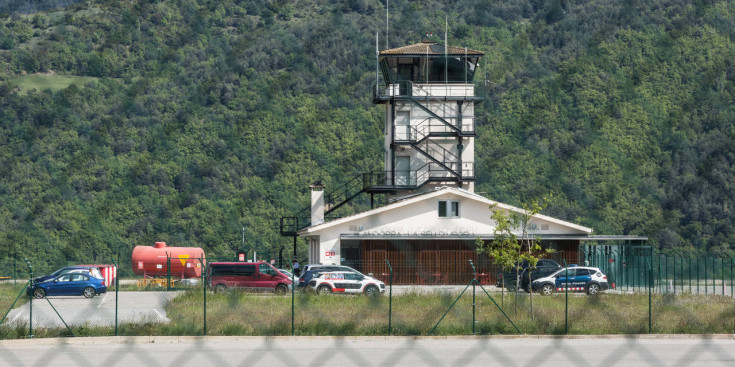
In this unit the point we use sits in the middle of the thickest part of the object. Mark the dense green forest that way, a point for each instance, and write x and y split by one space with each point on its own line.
195 118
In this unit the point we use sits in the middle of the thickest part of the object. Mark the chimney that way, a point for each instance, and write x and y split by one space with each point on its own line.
317 203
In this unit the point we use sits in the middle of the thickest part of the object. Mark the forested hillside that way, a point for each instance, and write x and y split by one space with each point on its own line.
127 122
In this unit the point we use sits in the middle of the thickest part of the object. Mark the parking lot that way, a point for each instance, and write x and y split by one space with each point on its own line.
98 311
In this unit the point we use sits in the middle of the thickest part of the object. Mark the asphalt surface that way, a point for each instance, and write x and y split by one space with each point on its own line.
97 311
628 351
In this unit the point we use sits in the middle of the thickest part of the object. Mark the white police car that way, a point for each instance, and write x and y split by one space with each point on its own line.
346 282
577 278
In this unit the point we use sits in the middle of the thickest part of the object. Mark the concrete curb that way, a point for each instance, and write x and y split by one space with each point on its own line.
113 340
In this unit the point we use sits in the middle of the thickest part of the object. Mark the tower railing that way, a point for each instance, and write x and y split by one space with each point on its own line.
408 179
408 88
405 88
423 90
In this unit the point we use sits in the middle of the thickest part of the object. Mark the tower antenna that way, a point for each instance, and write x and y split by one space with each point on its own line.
387 2
446 49
377 65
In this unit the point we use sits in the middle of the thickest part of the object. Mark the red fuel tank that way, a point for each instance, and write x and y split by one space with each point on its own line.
153 260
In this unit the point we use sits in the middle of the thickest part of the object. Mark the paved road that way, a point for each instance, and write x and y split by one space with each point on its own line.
660 350
100 310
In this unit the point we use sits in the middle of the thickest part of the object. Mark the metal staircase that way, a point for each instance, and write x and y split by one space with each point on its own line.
363 183
442 165
369 183
440 156
449 125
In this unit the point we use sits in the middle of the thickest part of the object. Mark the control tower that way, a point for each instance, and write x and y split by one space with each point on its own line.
429 98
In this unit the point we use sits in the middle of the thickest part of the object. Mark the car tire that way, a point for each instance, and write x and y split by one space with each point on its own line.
512 286
89 292
39 293
547 289
593 289
281 289
220 288
372 291
324 289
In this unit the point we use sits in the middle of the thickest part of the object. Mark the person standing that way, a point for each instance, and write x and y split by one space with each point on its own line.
296 269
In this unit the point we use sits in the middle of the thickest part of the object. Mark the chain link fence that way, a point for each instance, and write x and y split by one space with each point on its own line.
652 294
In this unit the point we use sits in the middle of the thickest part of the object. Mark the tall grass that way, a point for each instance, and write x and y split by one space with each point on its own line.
8 293
241 313
238 313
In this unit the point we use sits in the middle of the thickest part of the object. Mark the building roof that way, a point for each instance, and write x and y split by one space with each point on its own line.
428 195
433 49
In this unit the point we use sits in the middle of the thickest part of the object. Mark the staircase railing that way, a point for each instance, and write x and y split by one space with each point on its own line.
343 194
412 179
439 155
462 124
420 91
422 130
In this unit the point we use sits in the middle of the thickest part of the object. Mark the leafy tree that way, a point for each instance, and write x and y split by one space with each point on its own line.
513 245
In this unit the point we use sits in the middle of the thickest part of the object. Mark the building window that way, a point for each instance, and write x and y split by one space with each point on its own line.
448 209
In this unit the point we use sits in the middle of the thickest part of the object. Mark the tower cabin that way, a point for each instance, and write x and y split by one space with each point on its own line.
429 95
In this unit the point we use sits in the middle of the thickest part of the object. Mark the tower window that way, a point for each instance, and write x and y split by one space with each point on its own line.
448 209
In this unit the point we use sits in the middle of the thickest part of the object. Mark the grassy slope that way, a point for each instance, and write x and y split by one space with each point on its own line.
48 82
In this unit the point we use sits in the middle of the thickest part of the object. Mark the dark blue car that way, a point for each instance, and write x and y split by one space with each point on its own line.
70 284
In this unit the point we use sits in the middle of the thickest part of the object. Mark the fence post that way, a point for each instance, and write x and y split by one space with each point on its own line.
681 267
650 280
627 271
697 274
666 271
658 274
566 299
168 273
30 303
474 280
714 277
690 273
293 289
390 298
204 292
117 287
722 271
732 262
705 276
674 283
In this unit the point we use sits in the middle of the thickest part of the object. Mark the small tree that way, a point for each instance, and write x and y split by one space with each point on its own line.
504 250
507 250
